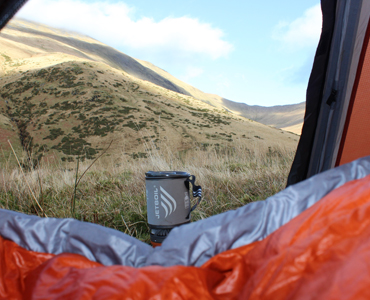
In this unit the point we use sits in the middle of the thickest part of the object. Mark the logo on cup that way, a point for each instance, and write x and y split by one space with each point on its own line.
163 198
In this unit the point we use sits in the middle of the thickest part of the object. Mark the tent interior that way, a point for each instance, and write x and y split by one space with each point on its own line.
308 241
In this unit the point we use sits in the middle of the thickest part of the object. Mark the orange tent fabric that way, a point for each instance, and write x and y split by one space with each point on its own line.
356 139
322 253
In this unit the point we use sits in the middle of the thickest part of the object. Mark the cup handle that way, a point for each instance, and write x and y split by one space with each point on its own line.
197 191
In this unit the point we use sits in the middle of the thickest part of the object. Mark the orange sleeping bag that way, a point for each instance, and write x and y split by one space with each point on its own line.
323 253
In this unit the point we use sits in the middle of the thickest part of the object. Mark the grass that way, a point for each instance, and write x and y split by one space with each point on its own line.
112 192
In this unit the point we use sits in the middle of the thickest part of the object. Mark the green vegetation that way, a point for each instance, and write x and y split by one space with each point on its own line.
135 125
54 133
75 146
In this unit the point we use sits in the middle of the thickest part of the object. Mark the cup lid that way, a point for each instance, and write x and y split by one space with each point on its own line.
166 174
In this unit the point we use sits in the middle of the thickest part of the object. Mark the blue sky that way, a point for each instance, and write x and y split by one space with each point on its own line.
256 52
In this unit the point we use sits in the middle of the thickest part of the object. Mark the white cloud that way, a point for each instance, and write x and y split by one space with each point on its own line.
114 23
302 32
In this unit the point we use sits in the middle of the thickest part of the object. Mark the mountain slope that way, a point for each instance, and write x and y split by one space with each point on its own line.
64 96
48 40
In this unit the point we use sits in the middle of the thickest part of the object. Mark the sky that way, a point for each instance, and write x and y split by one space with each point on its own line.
254 52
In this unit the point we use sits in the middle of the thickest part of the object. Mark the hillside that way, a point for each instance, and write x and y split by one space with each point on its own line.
65 95
42 39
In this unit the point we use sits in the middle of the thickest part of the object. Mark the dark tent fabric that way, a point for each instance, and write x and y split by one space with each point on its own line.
314 94
323 253
335 129
8 8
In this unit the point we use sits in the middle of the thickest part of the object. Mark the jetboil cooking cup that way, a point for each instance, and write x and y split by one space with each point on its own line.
168 201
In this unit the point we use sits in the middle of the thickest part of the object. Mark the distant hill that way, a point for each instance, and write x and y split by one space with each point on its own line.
65 95
287 117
